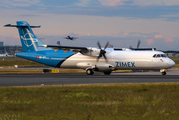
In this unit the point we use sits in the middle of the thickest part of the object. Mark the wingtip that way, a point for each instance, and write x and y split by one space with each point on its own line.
7 25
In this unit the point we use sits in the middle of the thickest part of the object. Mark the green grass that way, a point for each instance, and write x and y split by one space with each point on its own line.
176 59
10 62
154 101
20 71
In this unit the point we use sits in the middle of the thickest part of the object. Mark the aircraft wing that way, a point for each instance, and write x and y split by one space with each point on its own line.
67 48
74 37
143 49
89 51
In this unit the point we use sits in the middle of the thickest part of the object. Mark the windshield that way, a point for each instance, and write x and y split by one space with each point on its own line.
159 55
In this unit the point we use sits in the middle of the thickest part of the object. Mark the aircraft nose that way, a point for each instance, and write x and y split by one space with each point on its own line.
171 63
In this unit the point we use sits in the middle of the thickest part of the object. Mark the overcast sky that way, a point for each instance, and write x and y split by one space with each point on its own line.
121 22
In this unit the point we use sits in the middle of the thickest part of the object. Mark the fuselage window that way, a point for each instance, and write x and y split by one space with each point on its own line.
154 55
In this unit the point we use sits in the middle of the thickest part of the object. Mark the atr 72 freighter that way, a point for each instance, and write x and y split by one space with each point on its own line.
89 58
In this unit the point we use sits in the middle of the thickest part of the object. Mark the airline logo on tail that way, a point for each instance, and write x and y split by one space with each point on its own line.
29 39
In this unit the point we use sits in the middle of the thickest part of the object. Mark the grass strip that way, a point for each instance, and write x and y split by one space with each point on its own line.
150 101
20 71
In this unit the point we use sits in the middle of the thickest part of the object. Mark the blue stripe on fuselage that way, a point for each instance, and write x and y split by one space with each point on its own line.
48 57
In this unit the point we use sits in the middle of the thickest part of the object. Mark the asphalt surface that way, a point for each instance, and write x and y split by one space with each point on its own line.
82 78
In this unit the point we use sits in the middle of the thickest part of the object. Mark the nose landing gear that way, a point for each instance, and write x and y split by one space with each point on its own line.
163 71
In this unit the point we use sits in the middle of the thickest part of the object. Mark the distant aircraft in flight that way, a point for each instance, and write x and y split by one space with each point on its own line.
70 38
89 58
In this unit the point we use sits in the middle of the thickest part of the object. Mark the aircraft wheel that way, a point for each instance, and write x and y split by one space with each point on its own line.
107 73
164 73
89 72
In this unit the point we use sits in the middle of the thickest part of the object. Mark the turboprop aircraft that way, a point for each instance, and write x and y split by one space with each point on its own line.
89 58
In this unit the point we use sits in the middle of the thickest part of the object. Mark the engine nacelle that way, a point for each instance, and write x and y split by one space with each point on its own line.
92 52
104 67
84 65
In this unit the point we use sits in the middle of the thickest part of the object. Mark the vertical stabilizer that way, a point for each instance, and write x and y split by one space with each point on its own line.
28 39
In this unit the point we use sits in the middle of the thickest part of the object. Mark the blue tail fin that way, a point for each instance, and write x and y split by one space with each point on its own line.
28 39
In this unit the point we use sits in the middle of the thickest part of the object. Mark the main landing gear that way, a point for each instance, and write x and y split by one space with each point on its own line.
89 72
163 71
107 73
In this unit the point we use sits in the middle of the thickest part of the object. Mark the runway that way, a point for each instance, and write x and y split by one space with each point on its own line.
82 78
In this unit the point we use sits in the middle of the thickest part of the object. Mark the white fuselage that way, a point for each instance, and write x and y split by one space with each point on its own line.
121 60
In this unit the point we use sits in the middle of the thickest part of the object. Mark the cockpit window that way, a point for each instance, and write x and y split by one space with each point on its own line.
163 55
159 55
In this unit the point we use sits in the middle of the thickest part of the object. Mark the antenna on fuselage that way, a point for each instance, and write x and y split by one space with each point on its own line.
58 43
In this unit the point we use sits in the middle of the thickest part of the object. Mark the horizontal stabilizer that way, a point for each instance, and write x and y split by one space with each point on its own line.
9 25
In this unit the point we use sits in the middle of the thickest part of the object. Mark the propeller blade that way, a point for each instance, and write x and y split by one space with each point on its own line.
105 57
107 44
99 45
102 51
138 44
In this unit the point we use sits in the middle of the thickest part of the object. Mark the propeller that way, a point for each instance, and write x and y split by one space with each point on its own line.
138 44
102 51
